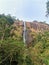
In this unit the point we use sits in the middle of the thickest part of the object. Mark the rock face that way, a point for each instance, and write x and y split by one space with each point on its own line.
30 28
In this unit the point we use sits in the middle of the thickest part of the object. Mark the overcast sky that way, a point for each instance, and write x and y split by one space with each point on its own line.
25 9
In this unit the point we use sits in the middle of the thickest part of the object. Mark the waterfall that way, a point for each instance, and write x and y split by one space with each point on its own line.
24 32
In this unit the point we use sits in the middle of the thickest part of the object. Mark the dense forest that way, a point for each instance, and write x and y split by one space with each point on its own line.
13 51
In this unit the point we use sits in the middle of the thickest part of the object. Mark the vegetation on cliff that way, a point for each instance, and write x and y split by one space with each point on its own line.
12 49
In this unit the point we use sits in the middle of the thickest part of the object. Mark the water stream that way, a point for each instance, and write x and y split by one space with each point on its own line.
24 33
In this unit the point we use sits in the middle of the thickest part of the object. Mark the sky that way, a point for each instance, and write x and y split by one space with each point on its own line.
27 10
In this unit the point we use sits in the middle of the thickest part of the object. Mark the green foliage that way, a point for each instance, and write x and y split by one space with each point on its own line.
13 51
5 26
28 60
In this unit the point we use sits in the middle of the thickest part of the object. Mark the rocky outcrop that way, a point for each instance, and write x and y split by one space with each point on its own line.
31 27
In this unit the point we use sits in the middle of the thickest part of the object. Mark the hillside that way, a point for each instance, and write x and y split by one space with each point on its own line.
34 25
13 51
31 27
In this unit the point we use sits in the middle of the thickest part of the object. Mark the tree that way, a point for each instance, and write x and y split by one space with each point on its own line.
47 8
5 25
